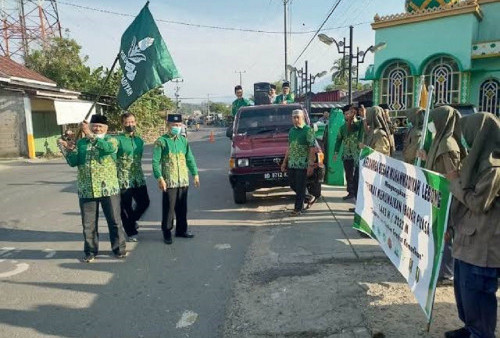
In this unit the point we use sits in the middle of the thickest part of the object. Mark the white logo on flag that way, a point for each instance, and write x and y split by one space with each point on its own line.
133 57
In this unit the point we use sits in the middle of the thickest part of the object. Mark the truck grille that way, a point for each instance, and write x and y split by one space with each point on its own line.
275 161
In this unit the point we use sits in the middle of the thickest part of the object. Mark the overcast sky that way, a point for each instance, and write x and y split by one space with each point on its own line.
208 58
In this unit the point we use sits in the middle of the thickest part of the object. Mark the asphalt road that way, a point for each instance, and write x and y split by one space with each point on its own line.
180 290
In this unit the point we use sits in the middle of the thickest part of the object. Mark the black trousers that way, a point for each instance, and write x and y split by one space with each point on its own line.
174 206
352 176
475 288
130 214
89 208
298 182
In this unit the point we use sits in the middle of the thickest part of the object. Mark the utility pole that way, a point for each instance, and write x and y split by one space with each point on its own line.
351 33
285 9
176 93
208 104
240 72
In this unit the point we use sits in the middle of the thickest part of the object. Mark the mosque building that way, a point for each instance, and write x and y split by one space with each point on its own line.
453 45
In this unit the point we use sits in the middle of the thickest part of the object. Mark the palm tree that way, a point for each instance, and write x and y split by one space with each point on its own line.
340 75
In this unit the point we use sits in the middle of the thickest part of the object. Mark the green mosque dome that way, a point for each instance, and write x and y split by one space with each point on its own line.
415 5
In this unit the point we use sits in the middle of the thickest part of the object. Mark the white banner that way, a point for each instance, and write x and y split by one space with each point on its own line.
405 208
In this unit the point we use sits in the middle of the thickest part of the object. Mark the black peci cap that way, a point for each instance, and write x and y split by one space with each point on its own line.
238 87
273 86
101 119
174 118
286 84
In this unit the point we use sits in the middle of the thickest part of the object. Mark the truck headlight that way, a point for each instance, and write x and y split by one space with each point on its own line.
243 162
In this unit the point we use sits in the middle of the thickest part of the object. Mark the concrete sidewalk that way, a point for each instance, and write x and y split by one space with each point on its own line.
315 276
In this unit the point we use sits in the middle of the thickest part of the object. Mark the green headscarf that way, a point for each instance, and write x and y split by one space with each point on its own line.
447 138
481 131
375 120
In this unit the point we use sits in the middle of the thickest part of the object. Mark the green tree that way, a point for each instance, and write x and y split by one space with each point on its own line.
220 108
61 62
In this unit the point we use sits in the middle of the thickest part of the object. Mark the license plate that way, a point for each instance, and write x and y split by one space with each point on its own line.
275 176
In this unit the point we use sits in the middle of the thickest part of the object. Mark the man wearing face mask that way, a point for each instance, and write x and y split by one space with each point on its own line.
95 156
130 176
172 162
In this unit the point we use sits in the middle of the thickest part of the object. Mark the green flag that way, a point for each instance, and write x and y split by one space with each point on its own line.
144 59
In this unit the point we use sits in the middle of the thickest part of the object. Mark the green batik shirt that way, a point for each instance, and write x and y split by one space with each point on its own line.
350 140
96 164
289 98
128 161
238 103
172 159
300 141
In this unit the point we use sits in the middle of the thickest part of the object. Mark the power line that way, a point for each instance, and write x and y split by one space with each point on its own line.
318 30
237 29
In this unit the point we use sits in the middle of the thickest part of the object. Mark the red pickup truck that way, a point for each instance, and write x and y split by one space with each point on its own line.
259 143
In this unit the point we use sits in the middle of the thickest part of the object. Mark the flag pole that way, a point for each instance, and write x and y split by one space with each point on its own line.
420 89
101 90
426 120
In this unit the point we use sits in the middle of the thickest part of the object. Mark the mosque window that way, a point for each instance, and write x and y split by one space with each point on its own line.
489 96
397 86
444 75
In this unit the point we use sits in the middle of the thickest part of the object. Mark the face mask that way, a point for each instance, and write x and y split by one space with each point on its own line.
129 129
432 127
100 135
176 130
464 143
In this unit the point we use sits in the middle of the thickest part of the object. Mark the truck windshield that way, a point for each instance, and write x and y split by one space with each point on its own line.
259 121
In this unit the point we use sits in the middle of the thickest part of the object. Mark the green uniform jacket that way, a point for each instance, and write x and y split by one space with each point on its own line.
238 103
96 164
172 158
128 161
300 140
290 98
350 140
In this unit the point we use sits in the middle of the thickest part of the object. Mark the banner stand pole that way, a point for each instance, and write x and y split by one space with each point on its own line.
426 120
101 90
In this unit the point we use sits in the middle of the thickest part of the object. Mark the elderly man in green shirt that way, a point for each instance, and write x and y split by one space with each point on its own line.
240 101
172 162
130 176
95 156
299 158
286 97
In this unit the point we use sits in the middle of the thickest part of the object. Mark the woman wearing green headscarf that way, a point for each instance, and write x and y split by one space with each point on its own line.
377 132
444 156
412 140
475 220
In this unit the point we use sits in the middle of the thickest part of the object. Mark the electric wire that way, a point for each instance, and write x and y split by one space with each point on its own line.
318 30
238 29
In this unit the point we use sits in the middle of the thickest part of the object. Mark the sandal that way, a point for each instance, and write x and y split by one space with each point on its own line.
311 201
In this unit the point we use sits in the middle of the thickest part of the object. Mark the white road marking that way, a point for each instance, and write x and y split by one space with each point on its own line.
188 318
224 246
21 267
50 253
5 250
